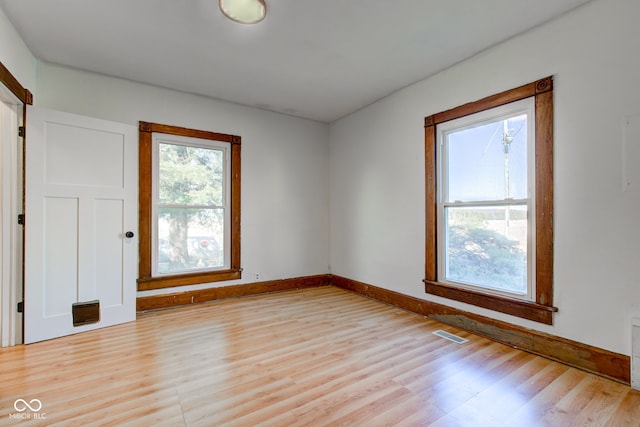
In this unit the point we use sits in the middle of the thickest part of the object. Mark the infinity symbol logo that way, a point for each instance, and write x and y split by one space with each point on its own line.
21 405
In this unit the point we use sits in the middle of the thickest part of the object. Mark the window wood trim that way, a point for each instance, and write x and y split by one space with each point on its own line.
542 309
145 165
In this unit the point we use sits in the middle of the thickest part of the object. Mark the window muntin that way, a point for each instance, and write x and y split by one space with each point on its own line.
190 205
485 199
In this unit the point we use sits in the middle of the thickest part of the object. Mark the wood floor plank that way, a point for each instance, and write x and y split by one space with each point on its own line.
311 357
627 413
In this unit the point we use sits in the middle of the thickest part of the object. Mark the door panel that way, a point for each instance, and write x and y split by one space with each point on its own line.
81 198
71 146
60 261
108 252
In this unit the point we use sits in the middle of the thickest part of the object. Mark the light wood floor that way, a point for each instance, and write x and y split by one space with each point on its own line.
314 357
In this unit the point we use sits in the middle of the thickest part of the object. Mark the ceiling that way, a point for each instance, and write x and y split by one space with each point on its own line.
319 60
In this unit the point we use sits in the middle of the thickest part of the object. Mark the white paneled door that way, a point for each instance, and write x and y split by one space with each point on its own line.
81 208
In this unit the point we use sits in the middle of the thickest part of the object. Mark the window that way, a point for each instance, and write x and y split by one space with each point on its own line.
484 200
189 206
489 194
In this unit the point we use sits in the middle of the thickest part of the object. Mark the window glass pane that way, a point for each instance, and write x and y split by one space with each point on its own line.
488 161
190 175
190 239
487 247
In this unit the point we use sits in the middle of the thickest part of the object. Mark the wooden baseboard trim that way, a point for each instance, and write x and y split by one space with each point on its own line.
194 297
592 359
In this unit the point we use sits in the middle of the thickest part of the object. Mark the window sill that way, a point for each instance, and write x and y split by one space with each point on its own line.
148 283
515 307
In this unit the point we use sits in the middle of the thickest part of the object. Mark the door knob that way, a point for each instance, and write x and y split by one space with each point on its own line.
129 234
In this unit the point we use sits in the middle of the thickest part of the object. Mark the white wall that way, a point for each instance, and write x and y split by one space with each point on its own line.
15 55
377 171
285 226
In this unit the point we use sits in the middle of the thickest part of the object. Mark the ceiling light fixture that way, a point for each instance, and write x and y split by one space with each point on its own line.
244 11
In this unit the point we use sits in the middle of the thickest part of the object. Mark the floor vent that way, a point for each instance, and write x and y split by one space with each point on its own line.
446 335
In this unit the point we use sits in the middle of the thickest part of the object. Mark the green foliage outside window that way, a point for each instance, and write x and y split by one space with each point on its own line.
191 208
480 255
